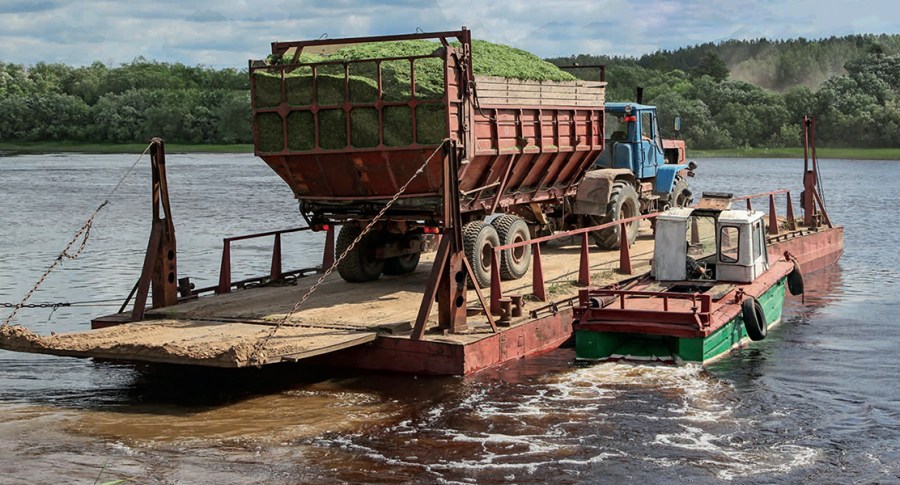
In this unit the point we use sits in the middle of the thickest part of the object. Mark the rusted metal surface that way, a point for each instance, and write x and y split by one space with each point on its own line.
669 313
275 272
513 153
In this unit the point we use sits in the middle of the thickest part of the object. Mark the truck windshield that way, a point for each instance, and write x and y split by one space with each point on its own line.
616 127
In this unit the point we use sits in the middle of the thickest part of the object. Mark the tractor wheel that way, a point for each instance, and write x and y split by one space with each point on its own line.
623 203
514 263
479 239
360 264
681 195
402 264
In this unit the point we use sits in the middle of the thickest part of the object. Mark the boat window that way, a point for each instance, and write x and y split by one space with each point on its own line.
757 240
729 244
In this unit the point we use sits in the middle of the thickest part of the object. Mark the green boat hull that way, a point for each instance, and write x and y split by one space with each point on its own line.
591 345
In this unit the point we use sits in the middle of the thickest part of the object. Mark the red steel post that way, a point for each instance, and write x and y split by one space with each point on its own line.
537 274
791 222
749 205
773 217
584 269
624 251
495 284
328 254
225 269
275 272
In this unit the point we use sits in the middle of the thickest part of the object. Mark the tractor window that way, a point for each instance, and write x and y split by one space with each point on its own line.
729 244
646 126
616 127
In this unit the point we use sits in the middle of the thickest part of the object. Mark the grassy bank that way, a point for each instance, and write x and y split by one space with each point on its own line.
843 153
58 147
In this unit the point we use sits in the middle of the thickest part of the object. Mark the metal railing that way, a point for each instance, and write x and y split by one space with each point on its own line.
773 215
276 271
698 314
584 274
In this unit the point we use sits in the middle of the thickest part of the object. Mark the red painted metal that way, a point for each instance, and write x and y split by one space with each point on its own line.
328 254
773 218
537 274
668 313
543 150
791 221
159 270
496 293
584 267
624 251
276 271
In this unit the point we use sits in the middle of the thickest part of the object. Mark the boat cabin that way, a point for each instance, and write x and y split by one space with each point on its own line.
710 244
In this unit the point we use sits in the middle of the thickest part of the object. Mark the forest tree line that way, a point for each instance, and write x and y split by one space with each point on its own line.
731 94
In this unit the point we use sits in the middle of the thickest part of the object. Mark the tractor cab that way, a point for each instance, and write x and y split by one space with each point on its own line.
710 244
634 142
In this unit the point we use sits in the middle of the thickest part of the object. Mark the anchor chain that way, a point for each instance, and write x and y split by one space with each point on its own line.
83 233
265 340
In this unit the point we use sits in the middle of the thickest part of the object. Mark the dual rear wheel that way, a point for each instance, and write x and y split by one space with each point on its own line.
480 239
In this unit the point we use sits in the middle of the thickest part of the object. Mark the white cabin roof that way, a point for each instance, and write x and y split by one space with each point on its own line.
740 216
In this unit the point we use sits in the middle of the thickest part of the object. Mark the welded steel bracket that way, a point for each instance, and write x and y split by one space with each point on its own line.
159 270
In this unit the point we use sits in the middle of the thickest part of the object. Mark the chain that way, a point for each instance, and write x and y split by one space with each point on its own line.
265 340
34 305
83 233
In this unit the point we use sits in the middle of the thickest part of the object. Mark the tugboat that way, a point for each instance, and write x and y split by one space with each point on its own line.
712 287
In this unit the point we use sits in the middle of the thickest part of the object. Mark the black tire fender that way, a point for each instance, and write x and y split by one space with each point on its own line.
754 319
795 280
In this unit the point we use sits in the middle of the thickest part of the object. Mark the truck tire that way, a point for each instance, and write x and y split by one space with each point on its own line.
479 239
681 195
514 263
402 264
623 203
360 264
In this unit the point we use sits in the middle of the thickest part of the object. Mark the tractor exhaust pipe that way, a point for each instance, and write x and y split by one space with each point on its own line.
639 95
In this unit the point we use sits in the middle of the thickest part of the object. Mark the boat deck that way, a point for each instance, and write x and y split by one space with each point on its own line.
224 330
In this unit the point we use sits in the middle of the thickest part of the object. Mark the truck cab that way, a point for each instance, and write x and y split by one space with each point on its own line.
634 142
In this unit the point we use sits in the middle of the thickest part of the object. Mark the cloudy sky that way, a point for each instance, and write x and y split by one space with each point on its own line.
228 32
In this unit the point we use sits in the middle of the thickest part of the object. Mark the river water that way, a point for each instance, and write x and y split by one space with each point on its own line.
818 400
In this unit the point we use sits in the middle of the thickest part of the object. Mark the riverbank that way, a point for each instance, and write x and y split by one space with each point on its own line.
839 153
74 147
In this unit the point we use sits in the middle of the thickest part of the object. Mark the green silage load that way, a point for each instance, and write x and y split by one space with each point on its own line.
488 59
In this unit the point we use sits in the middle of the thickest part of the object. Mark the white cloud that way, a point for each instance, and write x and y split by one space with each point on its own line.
228 32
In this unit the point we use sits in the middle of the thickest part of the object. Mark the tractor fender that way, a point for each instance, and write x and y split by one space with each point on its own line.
665 177
592 195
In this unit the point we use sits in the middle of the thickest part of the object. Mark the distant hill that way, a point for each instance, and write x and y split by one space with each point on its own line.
773 64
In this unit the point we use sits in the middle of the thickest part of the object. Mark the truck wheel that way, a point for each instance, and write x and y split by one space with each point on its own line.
514 263
623 203
479 239
360 264
681 196
401 264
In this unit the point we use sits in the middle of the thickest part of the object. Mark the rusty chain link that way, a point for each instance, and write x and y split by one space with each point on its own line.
83 233
265 340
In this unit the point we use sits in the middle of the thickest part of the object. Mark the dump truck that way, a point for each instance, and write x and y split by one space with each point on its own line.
489 146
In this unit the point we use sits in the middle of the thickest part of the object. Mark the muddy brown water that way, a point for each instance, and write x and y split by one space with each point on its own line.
818 400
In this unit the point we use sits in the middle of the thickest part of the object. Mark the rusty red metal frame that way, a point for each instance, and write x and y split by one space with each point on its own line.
773 217
584 267
159 269
276 272
699 316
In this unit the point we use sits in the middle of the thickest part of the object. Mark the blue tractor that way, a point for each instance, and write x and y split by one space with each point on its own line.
638 172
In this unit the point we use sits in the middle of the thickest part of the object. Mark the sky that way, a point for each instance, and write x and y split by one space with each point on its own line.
227 33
